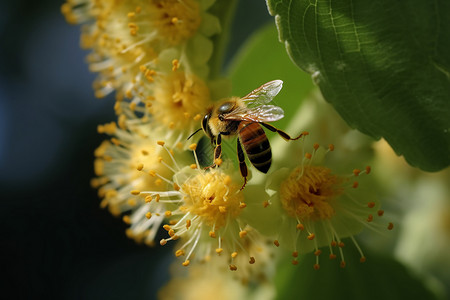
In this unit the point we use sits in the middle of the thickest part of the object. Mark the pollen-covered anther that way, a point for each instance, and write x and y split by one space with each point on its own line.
222 209
219 250
135 192
371 204
161 143
390 226
294 262
341 245
148 199
179 253
342 264
242 234
186 263
176 187
331 147
356 172
188 223
370 218
126 220
252 260
234 254
175 64
140 167
368 169
163 242
233 268
362 259
242 205
300 227
311 236
308 155
197 117
212 234
355 184
168 213
316 266
266 204
193 147
317 252
380 212
316 146
333 256
276 243
148 215
193 166
295 254
167 227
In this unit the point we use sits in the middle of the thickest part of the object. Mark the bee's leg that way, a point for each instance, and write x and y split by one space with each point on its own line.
242 165
217 152
283 134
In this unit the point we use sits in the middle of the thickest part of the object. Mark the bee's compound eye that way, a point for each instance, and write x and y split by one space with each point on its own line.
226 107
205 125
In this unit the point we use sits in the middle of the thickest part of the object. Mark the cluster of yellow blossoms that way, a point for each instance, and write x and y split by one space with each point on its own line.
155 56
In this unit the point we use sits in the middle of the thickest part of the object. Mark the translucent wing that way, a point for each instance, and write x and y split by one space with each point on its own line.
264 94
262 113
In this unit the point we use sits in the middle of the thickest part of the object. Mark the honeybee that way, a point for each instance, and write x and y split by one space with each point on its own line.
243 117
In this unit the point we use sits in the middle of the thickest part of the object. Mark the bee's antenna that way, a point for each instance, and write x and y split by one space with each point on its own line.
194 133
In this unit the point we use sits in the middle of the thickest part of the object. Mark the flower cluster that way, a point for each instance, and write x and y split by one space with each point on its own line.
155 56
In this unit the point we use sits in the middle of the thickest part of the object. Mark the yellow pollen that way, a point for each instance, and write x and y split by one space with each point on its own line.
179 253
131 202
144 152
197 117
167 227
148 199
163 242
356 172
161 143
212 234
218 161
193 166
300 226
188 223
310 196
140 167
157 197
234 254
152 173
186 263
135 192
311 236
242 234
176 187
193 147
148 215
219 250
242 205
168 213
212 198
126 220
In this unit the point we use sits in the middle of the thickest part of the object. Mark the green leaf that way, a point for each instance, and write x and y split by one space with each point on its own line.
384 65
378 278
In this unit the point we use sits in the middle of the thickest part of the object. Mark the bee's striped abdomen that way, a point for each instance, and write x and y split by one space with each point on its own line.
256 145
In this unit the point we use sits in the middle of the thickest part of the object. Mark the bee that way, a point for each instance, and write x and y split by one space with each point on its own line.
245 118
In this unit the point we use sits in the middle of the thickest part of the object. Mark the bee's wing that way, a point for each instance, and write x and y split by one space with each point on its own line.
264 94
262 113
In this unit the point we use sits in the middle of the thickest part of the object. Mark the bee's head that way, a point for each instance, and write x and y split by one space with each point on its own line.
205 124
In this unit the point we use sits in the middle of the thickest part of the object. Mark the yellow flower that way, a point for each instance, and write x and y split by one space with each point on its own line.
212 281
128 37
128 163
203 211
315 206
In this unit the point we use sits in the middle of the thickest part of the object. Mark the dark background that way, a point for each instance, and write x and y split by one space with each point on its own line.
56 243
